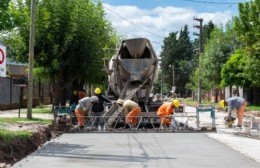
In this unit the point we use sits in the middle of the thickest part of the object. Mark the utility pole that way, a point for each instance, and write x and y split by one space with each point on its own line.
31 60
200 20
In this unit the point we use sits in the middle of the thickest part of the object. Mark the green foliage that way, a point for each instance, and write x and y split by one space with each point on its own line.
177 53
160 85
247 23
248 31
4 16
15 22
7 136
70 36
10 38
253 107
46 110
233 71
19 120
217 51
207 29
198 60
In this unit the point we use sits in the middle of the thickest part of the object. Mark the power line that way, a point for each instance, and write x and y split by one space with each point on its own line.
134 35
213 2
133 23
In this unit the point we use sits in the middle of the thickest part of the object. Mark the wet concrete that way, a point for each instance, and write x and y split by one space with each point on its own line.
136 150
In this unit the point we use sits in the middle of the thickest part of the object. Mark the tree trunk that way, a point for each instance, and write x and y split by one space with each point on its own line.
216 95
56 94
63 97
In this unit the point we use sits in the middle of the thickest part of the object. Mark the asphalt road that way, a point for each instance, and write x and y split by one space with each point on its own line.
137 150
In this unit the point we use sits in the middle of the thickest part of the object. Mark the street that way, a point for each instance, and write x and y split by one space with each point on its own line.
167 150
219 149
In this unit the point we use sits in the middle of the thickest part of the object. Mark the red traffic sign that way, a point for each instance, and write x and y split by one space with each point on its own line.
2 56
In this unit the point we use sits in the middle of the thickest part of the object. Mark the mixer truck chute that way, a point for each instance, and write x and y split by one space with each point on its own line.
132 72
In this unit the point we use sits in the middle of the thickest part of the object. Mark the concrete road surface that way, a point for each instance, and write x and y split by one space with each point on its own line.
137 150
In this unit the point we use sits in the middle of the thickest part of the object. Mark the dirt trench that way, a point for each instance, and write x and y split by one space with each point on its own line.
20 148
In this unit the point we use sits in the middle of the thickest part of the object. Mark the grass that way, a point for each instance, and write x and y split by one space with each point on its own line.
253 108
42 110
8 136
39 110
15 120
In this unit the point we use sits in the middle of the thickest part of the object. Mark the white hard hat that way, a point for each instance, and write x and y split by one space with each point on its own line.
120 101
94 98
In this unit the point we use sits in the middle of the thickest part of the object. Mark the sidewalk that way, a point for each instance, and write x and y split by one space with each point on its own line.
23 114
231 137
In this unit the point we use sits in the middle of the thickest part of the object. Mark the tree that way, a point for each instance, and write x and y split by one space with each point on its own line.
4 16
18 13
70 37
248 31
167 56
207 29
216 52
177 53
193 79
232 72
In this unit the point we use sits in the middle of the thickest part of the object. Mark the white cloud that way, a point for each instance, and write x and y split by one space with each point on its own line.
157 23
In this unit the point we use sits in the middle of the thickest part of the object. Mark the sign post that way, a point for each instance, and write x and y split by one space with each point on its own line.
22 83
2 61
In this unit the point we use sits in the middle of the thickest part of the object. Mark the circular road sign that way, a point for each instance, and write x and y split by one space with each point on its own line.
2 56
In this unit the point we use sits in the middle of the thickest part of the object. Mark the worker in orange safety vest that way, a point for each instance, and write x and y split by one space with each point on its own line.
165 110
84 107
131 110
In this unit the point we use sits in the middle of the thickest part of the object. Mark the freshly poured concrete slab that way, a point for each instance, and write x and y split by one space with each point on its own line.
144 150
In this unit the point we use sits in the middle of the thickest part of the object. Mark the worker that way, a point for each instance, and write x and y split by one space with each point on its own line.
98 109
235 103
83 108
165 110
131 110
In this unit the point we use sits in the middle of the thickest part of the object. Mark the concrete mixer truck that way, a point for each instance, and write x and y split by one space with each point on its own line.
131 75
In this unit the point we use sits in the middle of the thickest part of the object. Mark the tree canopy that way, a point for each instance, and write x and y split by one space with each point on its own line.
232 72
248 32
70 37
217 51
177 53
4 16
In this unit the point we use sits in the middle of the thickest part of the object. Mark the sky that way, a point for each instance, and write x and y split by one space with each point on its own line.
155 19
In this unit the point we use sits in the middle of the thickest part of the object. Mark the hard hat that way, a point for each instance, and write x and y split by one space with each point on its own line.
222 103
120 101
94 98
97 90
176 103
